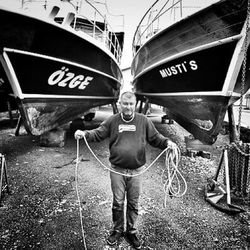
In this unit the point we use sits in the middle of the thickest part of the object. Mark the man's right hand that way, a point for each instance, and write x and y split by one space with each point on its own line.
79 134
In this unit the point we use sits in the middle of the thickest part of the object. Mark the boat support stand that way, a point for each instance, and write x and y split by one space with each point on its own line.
18 126
142 109
115 109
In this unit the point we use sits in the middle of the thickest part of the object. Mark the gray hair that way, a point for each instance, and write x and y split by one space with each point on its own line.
128 94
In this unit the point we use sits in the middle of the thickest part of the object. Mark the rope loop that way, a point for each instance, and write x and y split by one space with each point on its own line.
174 183
171 176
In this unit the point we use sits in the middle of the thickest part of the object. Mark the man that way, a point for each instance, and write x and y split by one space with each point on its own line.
128 134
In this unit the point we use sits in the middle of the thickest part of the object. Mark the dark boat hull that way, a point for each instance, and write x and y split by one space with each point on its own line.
193 73
34 35
7 100
55 74
202 71
53 92
219 21
202 116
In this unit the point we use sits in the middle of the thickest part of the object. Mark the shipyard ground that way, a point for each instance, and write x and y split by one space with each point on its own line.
42 210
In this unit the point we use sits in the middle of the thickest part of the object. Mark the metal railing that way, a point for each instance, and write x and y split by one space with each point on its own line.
160 15
88 19
105 34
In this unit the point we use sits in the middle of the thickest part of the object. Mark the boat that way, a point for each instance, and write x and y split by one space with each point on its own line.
59 59
189 59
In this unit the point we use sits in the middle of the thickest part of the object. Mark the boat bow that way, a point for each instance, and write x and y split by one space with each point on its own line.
193 66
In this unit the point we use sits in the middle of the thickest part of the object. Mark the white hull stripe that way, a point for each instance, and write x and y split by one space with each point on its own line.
58 60
237 59
10 72
29 96
190 51
188 94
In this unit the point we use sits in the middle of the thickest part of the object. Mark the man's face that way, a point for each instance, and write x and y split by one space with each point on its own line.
128 106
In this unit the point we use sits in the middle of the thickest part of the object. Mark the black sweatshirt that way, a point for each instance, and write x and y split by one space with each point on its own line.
128 140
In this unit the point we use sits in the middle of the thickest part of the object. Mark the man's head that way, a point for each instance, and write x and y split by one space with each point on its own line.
128 101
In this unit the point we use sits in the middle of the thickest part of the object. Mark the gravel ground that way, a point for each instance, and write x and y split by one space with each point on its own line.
42 211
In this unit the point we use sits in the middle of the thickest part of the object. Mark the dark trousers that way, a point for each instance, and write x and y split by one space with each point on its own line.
125 188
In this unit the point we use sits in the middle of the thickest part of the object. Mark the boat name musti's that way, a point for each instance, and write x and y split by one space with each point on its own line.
179 68
64 78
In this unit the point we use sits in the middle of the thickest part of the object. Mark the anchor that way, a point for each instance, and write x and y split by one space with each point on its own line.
215 192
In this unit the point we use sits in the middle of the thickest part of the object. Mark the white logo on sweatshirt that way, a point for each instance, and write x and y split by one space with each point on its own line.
125 127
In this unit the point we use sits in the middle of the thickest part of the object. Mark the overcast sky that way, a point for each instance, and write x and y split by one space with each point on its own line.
133 11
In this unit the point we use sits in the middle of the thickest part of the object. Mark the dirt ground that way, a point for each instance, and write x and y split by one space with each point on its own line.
42 211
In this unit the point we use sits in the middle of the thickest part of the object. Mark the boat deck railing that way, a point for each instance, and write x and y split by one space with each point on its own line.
160 15
97 26
88 19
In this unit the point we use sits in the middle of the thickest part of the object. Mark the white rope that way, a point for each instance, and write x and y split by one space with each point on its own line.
112 170
174 183
77 193
172 179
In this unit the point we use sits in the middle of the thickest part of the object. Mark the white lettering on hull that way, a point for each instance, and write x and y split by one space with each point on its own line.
63 78
179 68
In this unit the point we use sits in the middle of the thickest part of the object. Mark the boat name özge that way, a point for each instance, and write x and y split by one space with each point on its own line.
179 68
64 78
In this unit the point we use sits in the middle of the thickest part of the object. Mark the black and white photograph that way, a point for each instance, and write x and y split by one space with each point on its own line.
124 124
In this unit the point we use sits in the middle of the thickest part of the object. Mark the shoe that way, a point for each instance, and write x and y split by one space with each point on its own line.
113 238
133 240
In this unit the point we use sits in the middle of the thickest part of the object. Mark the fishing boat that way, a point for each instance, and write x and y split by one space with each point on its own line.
189 59
59 59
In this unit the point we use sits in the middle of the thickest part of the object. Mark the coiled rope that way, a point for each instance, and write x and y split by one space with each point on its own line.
174 183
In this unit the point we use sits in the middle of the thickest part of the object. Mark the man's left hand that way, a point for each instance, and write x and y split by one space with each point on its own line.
172 145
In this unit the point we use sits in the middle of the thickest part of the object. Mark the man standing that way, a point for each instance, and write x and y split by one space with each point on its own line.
128 134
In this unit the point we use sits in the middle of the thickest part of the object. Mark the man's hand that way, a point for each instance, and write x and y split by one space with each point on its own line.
172 145
79 134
